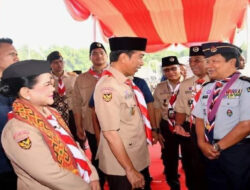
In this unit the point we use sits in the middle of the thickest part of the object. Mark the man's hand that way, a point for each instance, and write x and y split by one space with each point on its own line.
155 137
179 130
161 140
209 151
135 178
81 133
95 185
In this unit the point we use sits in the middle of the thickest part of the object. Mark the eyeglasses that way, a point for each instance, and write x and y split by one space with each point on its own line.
170 69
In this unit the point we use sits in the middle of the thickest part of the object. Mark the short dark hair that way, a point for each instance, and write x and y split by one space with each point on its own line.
10 87
114 55
6 40
232 55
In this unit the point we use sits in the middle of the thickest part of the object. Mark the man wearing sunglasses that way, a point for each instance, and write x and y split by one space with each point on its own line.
165 96
187 97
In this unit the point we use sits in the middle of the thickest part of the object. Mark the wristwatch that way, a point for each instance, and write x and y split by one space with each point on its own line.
216 147
157 130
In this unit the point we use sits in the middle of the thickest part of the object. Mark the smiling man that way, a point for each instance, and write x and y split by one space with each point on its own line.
122 152
165 96
187 98
223 119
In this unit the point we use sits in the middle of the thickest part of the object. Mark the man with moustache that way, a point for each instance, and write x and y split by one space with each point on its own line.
8 56
122 151
187 98
223 119
165 96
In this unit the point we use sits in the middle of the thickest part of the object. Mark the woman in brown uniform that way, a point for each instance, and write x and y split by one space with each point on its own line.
36 139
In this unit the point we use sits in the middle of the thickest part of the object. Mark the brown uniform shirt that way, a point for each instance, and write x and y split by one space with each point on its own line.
117 110
184 97
34 166
83 90
68 79
162 94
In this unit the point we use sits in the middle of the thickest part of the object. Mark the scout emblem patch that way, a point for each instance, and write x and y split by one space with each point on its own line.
229 112
107 94
22 139
25 143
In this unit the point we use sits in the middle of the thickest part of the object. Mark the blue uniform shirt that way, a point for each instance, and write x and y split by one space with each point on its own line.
234 107
141 83
5 107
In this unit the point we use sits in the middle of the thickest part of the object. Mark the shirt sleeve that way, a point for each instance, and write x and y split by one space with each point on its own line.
76 97
198 109
107 107
180 101
145 90
245 103
157 103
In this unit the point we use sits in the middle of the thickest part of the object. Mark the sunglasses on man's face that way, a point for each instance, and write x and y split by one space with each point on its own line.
170 69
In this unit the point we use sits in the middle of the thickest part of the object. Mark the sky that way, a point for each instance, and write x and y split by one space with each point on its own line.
42 23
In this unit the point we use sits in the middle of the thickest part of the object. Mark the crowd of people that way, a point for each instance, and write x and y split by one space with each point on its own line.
49 116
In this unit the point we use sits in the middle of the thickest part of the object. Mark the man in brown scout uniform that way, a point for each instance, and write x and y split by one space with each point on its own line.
64 83
83 89
165 96
122 152
187 97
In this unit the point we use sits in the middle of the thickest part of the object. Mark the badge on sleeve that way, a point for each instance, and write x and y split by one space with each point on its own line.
107 94
248 89
23 140
229 112
25 143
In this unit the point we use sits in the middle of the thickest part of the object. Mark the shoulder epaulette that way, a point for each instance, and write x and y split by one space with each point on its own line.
207 83
245 78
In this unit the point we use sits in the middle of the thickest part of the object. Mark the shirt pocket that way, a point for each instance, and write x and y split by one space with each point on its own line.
129 111
230 103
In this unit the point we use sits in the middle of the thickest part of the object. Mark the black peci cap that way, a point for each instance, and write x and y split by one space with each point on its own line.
195 51
127 43
170 60
53 56
96 45
26 68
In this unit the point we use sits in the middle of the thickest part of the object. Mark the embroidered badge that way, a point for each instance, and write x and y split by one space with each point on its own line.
229 112
25 143
171 59
107 97
22 139
248 89
195 49
107 94
213 49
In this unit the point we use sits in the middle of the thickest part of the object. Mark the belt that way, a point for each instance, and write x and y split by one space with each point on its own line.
243 141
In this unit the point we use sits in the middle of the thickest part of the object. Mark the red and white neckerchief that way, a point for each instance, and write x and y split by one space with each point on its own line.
95 74
171 104
61 87
140 100
80 159
196 92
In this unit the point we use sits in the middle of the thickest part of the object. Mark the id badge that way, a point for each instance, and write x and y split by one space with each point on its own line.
171 113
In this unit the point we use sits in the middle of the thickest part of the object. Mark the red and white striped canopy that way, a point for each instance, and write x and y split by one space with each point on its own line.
164 22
